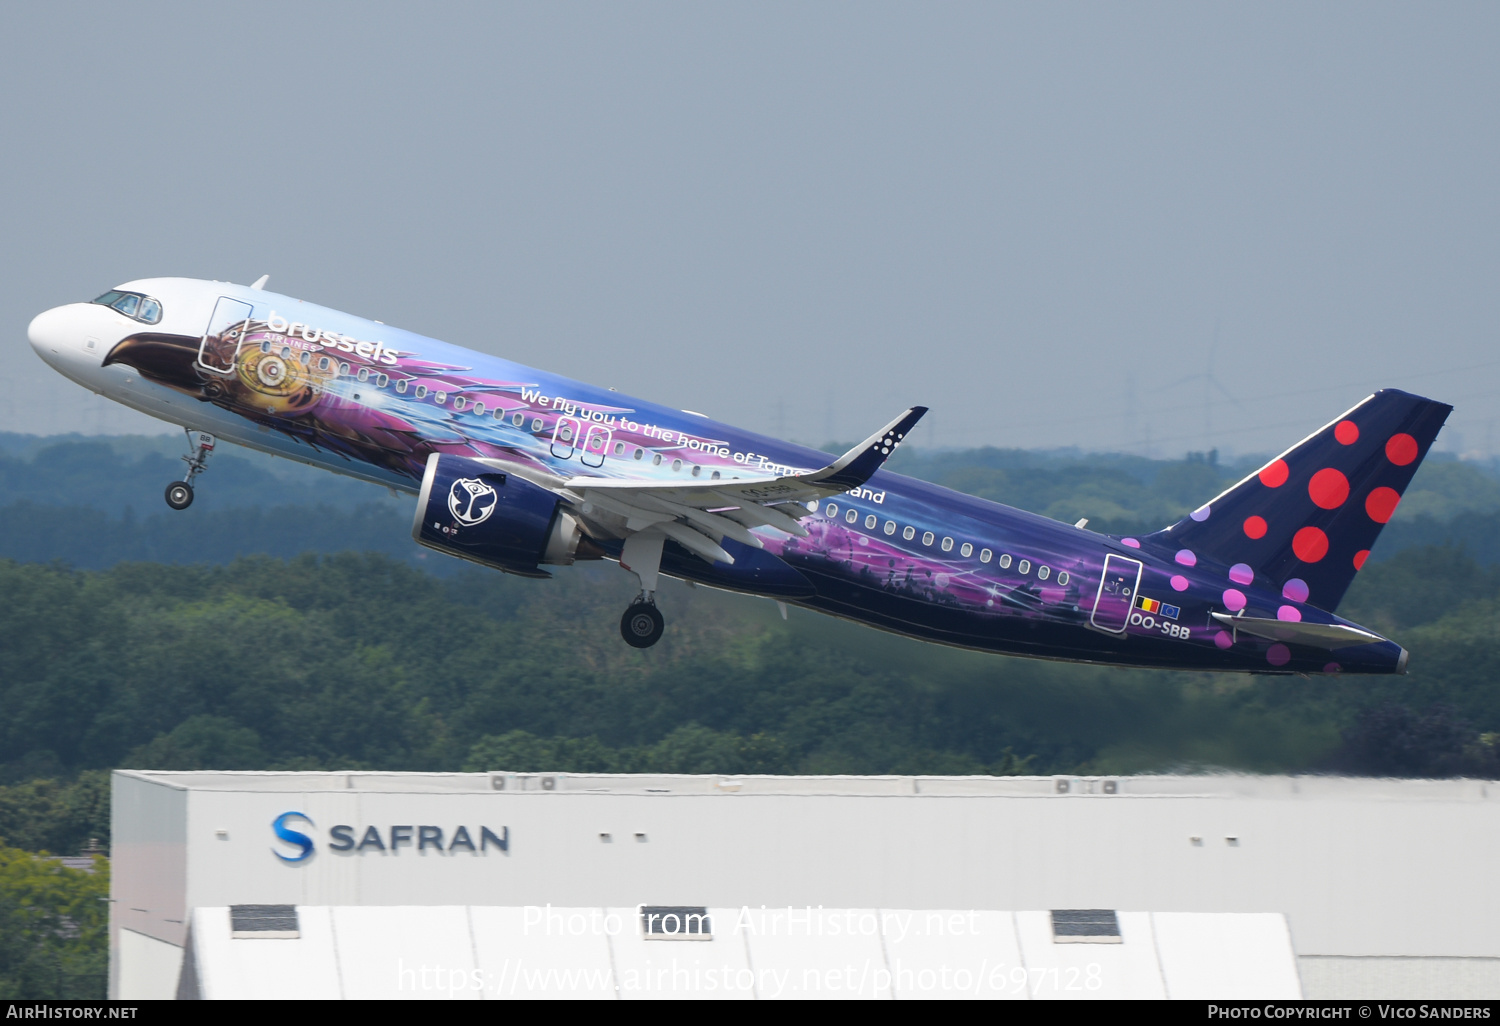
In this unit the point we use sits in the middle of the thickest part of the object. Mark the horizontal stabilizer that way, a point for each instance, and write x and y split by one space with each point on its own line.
1315 635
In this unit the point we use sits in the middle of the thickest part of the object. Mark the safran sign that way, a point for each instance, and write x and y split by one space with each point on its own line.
390 840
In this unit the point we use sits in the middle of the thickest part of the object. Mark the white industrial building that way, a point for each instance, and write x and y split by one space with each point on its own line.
498 885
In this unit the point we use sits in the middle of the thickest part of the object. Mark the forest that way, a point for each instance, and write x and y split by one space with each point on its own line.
287 621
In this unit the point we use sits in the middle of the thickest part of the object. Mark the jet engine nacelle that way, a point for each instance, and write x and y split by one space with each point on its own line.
472 511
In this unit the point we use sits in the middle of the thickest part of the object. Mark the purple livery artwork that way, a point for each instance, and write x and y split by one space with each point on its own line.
518 469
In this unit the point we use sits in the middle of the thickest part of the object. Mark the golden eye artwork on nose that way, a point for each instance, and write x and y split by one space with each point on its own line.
272 373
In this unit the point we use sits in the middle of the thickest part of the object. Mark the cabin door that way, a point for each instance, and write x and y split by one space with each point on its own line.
226 329
1116 596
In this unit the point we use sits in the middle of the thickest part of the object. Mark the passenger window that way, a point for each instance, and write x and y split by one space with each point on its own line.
927 538
440 398
832 510
1023 567
1043 572
851 516
985 555
401 386
715 476
676 466
871 521
909 533
639 452
1062 577
458 403
364 374
890 527
150 311
656 460
967 550
421 392
1005 561
265 346
536 423
479 409
619 448
381 380
324 363
286 354
697 470
517 420
947 544
344 369
305 358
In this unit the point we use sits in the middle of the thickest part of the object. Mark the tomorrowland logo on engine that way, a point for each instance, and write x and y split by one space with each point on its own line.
471 501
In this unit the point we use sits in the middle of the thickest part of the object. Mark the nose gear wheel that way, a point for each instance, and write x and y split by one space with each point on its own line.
179 495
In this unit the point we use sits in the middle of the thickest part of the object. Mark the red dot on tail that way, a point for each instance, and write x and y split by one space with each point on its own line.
1401 449
1381 503
1255 527
1347 432
1360 557
1310 544
1275 474
1328 488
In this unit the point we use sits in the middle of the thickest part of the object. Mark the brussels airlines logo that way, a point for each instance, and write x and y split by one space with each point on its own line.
471 501
388 841
292 837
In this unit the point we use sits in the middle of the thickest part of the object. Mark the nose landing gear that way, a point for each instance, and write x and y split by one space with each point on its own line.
180 493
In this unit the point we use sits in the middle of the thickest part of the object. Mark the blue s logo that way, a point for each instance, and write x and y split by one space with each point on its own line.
293 837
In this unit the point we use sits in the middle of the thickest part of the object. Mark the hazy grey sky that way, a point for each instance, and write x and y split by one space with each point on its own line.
1034 218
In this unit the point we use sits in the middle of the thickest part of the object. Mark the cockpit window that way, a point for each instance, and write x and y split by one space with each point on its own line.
132 304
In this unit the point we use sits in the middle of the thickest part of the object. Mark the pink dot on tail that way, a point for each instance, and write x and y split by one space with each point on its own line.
1291 614
1328 488
1223 640
1130 543
1234 600
1186 557
1333 668
1295 590
1200 514
1179 583
1401 449
1278 655
1382 503
1241 573
1275 473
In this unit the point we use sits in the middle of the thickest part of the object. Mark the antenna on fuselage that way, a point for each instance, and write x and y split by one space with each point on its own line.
260 282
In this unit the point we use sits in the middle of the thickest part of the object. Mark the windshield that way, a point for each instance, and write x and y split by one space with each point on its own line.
132 304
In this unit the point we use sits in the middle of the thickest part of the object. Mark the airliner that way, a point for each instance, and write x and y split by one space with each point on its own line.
518 469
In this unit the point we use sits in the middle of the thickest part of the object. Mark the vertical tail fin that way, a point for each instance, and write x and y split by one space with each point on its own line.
1304 523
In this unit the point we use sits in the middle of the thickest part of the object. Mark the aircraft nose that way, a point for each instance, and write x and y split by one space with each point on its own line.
50 333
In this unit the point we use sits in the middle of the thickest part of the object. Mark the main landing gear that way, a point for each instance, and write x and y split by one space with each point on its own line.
180 493
642 624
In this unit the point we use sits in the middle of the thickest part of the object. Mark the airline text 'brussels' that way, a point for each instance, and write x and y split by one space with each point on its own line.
518 469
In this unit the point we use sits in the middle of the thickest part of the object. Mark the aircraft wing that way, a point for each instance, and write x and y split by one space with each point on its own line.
700 514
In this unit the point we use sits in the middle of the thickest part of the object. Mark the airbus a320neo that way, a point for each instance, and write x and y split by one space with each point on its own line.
518 469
